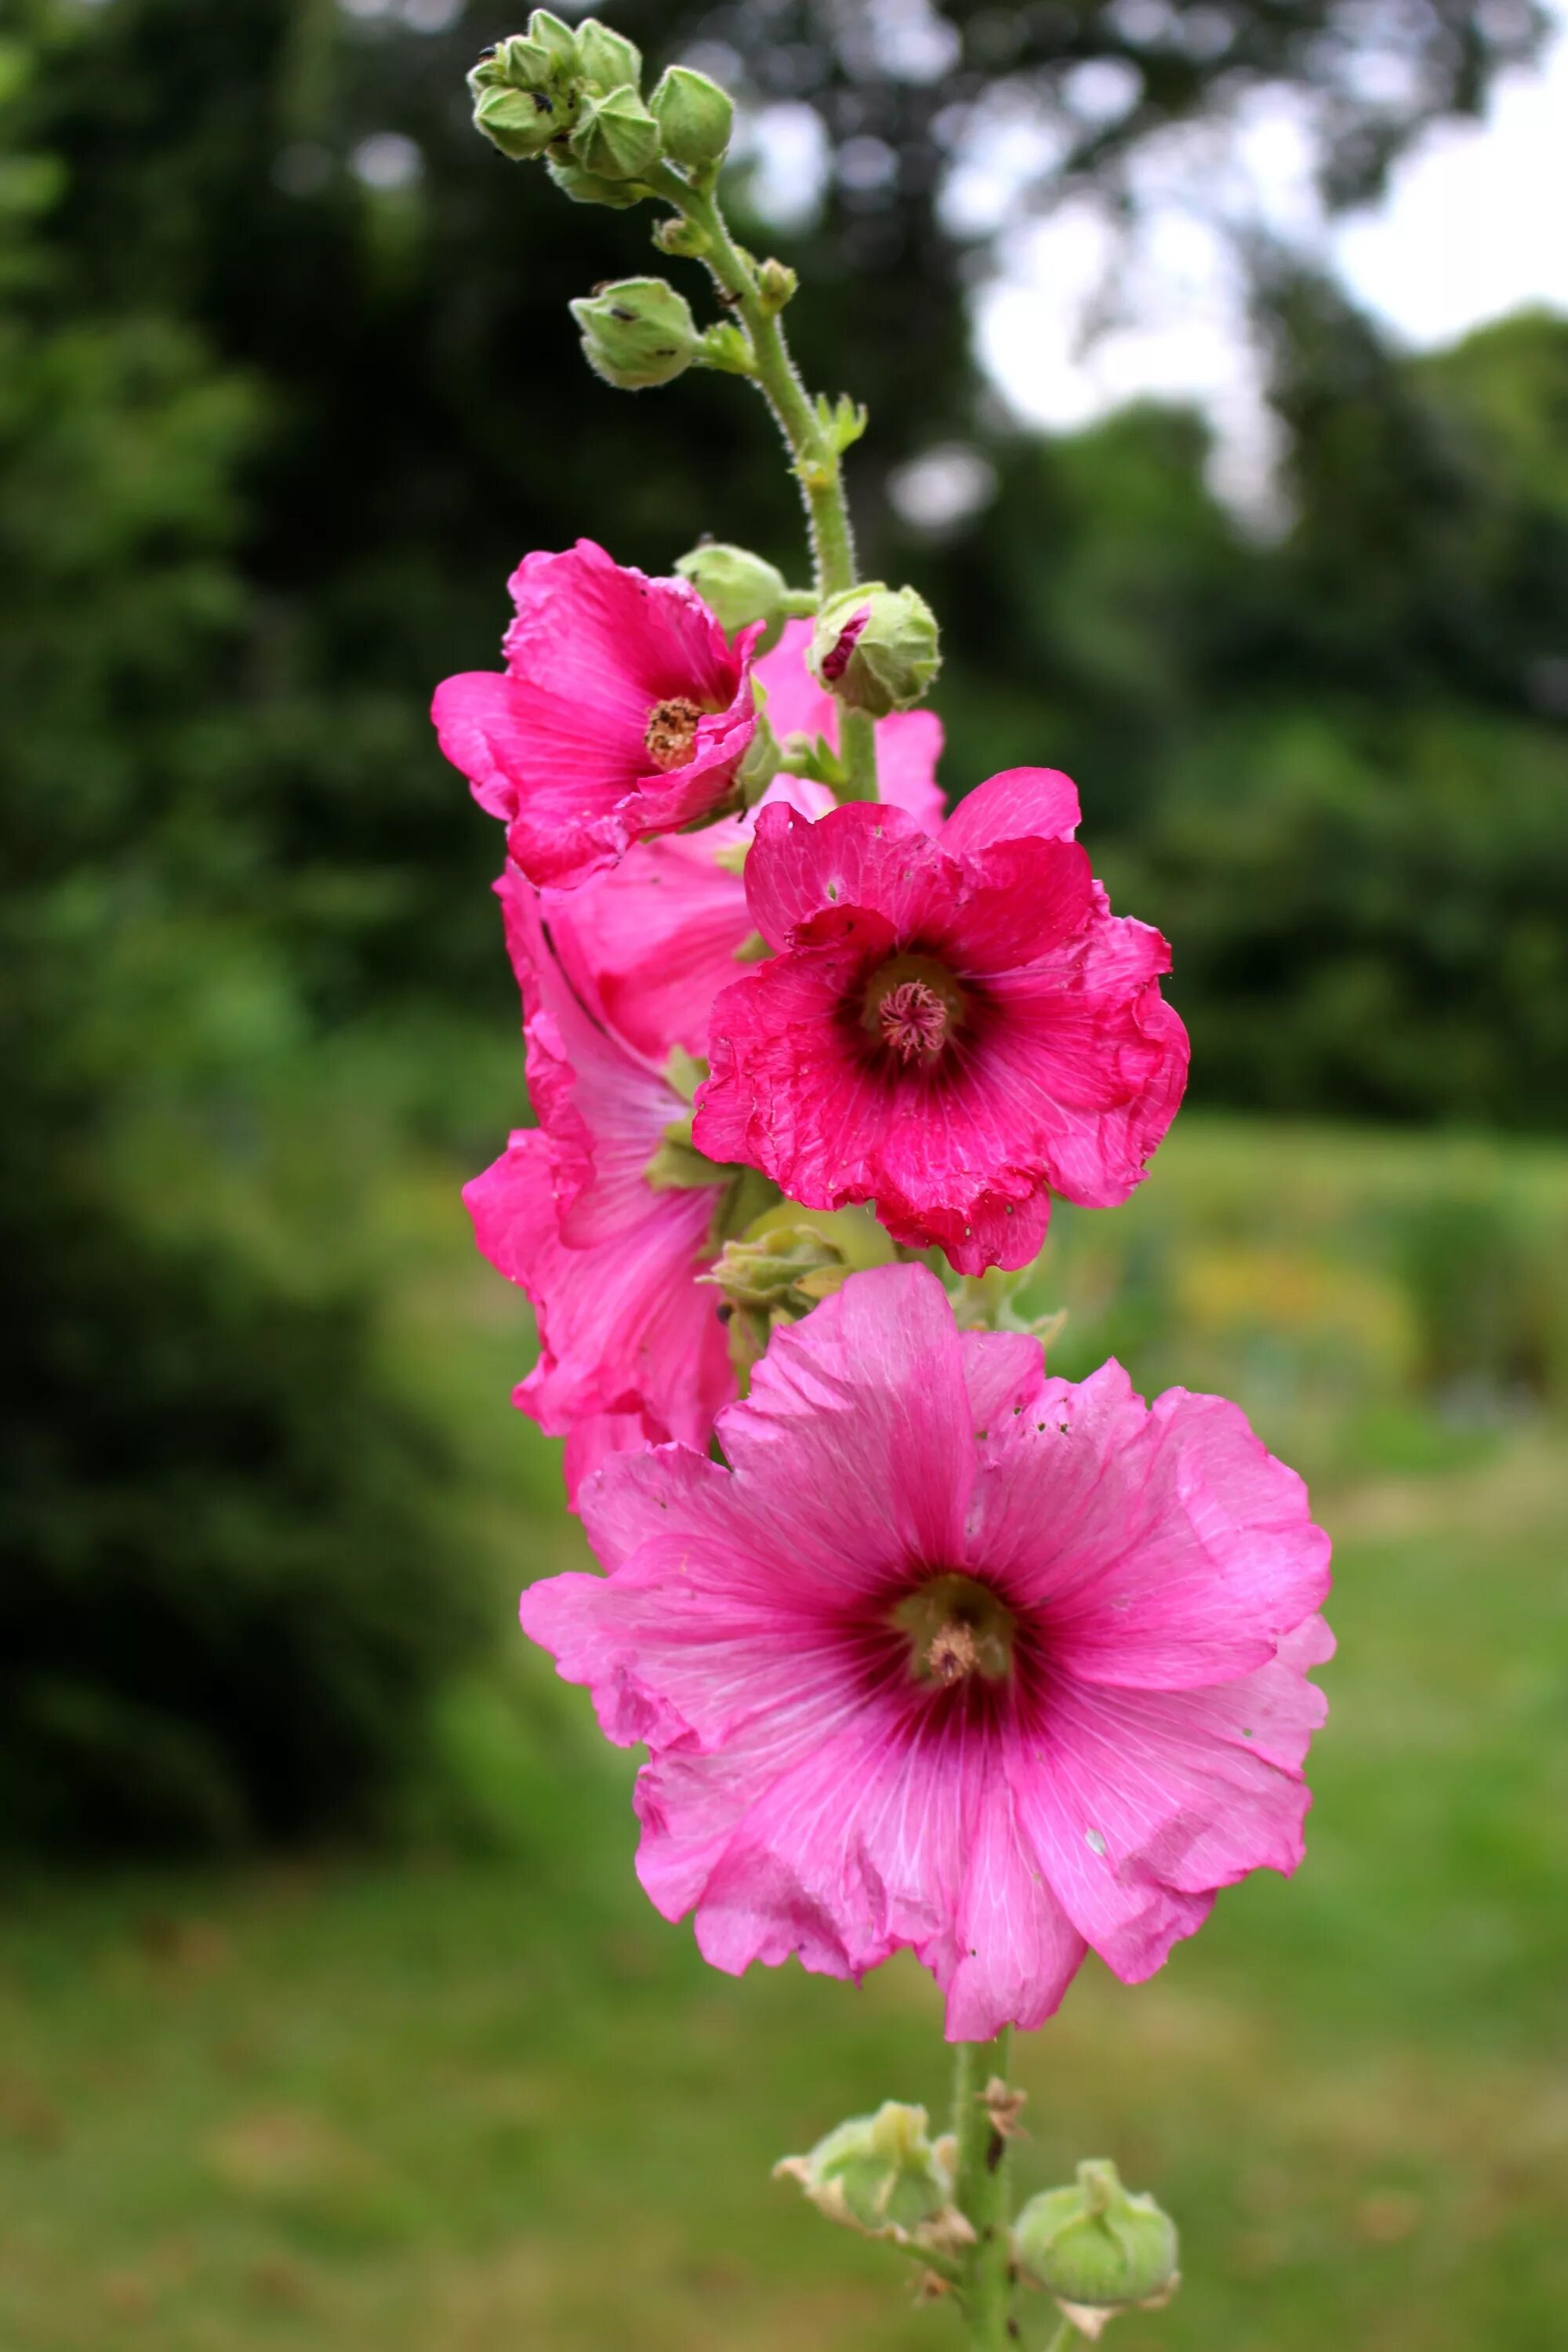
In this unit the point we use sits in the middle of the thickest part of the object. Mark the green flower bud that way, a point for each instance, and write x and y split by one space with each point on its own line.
635 333
616 137
677 235
876 648
694 116
883 2176
588 188
520 122
557 41
516 63
1096 2248
606 60
777 284
786 1262
737 586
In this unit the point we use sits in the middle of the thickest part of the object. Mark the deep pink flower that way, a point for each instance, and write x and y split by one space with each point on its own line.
631 1349
651 942
953 1028
623 710
953 1656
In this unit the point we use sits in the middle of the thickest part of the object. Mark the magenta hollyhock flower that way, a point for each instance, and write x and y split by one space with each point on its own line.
652 941
631 1349
952 1657
624 709
951 1027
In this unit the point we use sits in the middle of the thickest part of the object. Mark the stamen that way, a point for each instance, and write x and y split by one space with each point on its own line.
671 736
913 1021
957 1629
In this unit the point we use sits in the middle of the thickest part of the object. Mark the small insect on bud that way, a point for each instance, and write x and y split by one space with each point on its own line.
736 586
883 2176
616 137
876 648
636 332
520 122
1097 2249
695 118
606 60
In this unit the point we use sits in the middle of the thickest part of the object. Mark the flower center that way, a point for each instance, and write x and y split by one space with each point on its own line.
671 736
912 1005
956 1629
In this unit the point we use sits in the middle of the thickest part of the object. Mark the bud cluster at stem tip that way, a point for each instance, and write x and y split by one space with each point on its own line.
574 97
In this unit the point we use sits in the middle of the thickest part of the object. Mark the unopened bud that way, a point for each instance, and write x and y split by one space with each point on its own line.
557 41
777 284
737 586
635 333
589 188
616 137
520 122
695 118
787 1261
876 648
677 235
882 2175
606 58
1097 2249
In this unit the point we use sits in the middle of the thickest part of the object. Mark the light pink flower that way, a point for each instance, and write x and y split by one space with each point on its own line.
953 1656
651 942
623 710
952 1028
631 1349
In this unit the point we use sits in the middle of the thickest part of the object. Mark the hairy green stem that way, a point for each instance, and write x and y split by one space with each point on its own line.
983 2194
815 457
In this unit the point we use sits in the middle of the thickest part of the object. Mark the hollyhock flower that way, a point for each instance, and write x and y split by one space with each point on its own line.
631 1349
651 942
952 1028
623 710
953 1657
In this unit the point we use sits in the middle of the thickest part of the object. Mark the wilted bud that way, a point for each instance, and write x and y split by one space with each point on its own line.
606 60
787 1261
736 586
677 235
520 122
882 2175
636 332
616 137
876 648
588 188
694 116
1098 2250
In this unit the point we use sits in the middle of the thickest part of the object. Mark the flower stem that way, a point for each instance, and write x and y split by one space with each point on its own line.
983 2193
814 452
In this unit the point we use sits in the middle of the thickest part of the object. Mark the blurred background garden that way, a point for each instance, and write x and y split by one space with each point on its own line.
330 2014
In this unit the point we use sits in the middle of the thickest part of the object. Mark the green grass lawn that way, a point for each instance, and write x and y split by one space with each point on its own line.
485 2101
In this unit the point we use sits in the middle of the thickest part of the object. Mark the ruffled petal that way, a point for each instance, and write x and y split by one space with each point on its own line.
1021 801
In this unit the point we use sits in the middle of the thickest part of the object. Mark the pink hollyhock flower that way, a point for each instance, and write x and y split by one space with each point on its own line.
952 1028
623 710
631 1353
953 1657
651 942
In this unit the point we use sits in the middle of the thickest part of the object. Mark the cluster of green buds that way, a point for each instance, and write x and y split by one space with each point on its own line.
574 97
787 1261
1099 2250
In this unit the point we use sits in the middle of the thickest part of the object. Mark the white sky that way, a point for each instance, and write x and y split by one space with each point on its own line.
1474 223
